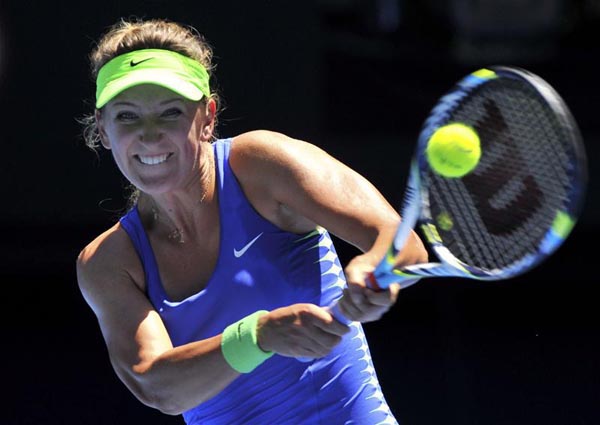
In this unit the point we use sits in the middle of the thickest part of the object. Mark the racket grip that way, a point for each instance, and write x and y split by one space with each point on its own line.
380 280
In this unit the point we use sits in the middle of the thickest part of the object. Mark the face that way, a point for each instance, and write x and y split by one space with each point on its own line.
156 136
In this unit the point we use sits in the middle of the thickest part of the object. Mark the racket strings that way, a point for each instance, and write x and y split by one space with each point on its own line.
502 211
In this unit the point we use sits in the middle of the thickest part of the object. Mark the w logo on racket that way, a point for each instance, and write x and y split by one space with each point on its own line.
505 192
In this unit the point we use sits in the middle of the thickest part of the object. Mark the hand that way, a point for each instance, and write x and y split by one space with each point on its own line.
361 303
300 330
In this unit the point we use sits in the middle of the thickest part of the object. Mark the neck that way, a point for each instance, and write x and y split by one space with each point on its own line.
178 215
179 218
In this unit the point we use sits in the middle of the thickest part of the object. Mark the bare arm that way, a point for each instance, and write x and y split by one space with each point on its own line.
299 185
138 344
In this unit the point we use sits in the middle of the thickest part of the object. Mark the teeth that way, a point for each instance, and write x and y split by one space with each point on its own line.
153 160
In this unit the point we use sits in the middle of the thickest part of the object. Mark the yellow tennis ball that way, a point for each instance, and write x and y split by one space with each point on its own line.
453 150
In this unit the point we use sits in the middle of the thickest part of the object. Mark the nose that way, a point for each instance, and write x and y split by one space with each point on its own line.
150 133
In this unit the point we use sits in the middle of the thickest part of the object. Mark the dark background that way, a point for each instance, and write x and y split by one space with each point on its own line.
357 78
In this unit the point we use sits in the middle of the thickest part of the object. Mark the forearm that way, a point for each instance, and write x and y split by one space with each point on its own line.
413 251
182 377
380 240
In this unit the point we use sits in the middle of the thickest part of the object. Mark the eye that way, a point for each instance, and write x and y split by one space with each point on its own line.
126 116
172 113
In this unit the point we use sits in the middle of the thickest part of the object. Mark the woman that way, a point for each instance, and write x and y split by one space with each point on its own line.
209 288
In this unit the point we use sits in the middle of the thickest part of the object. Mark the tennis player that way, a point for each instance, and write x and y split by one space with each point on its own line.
209 287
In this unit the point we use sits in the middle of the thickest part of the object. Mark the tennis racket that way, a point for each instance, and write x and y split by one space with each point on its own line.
520 202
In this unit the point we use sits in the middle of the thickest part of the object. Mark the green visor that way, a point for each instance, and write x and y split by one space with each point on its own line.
176 72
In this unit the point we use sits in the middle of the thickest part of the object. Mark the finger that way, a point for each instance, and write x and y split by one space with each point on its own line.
356 293
367 314
331 326
383 298
321 318
318 343
325 341
349 309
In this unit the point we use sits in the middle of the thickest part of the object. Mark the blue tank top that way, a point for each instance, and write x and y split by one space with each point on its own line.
262 267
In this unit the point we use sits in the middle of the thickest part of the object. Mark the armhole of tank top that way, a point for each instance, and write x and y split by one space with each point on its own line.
137 234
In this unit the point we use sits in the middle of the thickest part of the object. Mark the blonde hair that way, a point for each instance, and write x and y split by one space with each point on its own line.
130 35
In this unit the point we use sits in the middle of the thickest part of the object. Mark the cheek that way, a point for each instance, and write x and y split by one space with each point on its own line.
189 151
121 160
186 138
118 143
122 133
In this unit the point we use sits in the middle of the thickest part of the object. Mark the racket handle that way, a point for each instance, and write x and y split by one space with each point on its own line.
383 276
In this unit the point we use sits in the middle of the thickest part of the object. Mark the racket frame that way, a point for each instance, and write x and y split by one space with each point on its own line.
416 208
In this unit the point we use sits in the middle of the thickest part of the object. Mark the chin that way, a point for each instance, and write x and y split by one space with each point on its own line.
155 188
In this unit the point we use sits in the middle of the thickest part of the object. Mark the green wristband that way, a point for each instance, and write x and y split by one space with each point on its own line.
239 344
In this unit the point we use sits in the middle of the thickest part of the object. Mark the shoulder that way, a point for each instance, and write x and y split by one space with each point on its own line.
278 173
259 143
260 137
271 152
108 259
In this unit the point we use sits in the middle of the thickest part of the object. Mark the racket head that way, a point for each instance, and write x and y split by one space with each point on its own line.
524 196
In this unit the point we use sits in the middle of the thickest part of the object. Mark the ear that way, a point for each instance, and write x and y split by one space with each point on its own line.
101 131
210 113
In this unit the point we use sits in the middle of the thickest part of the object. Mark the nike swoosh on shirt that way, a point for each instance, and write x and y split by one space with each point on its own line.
242 251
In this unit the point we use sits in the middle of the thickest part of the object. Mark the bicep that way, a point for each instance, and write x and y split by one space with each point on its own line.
314 185
133 331
340 199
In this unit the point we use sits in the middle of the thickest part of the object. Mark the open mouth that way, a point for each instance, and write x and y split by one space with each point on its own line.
153 159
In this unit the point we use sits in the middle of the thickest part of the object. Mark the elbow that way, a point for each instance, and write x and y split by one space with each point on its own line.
162 400
153 393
